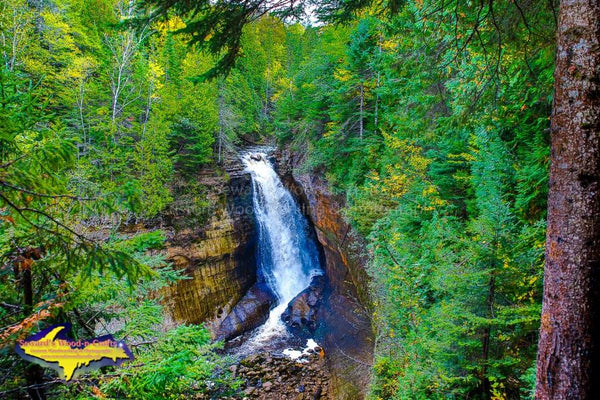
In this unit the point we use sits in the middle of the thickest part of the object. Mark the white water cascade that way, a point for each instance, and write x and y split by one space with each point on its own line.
287 256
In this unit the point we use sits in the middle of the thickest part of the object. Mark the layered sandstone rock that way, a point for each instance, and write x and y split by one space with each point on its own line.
216 255
249 313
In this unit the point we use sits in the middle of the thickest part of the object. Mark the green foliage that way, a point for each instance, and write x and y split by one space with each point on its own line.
153 240
123 106
192 142
179 360
218 26
38 209
89 118
434 124
432 121
182 363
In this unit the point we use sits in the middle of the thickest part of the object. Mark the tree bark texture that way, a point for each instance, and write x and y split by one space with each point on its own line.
568 366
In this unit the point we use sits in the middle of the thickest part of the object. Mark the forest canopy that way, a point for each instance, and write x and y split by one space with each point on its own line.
430 118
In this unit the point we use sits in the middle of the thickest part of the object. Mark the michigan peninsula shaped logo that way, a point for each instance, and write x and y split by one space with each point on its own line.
52 348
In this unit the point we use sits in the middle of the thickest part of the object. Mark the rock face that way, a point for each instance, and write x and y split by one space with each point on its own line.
217 253
250 312
346 330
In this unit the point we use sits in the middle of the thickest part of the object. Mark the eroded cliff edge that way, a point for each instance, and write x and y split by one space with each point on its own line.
346 330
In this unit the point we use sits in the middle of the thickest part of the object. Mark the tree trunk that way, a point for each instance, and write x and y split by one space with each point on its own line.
80 104
362 103
221 119
568 366
486 387
376 119
34 374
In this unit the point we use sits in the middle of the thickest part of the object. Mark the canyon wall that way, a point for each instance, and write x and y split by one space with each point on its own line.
346 331
216 252
218 256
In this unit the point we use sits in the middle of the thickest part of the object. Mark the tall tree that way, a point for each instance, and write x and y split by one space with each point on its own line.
569 347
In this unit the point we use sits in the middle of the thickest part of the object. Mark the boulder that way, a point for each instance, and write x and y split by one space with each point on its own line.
250 312
302 310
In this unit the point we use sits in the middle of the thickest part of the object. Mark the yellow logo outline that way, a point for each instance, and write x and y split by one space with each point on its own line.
52 348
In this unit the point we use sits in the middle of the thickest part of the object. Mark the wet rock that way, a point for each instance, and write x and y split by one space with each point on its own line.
256 157
302 311
251 365
318 393
250 312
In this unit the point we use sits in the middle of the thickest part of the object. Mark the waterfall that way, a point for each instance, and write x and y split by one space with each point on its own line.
287 255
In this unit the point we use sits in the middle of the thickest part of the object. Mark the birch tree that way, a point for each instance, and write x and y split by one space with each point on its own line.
123 47
15 27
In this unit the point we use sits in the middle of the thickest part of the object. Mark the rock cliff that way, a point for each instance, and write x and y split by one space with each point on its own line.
346 332
216 252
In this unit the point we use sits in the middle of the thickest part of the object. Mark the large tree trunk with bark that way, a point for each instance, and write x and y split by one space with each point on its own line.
568 357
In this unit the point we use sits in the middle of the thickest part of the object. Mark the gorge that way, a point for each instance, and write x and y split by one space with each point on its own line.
275 265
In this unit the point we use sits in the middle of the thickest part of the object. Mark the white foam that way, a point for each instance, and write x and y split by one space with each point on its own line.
293 354
311 345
